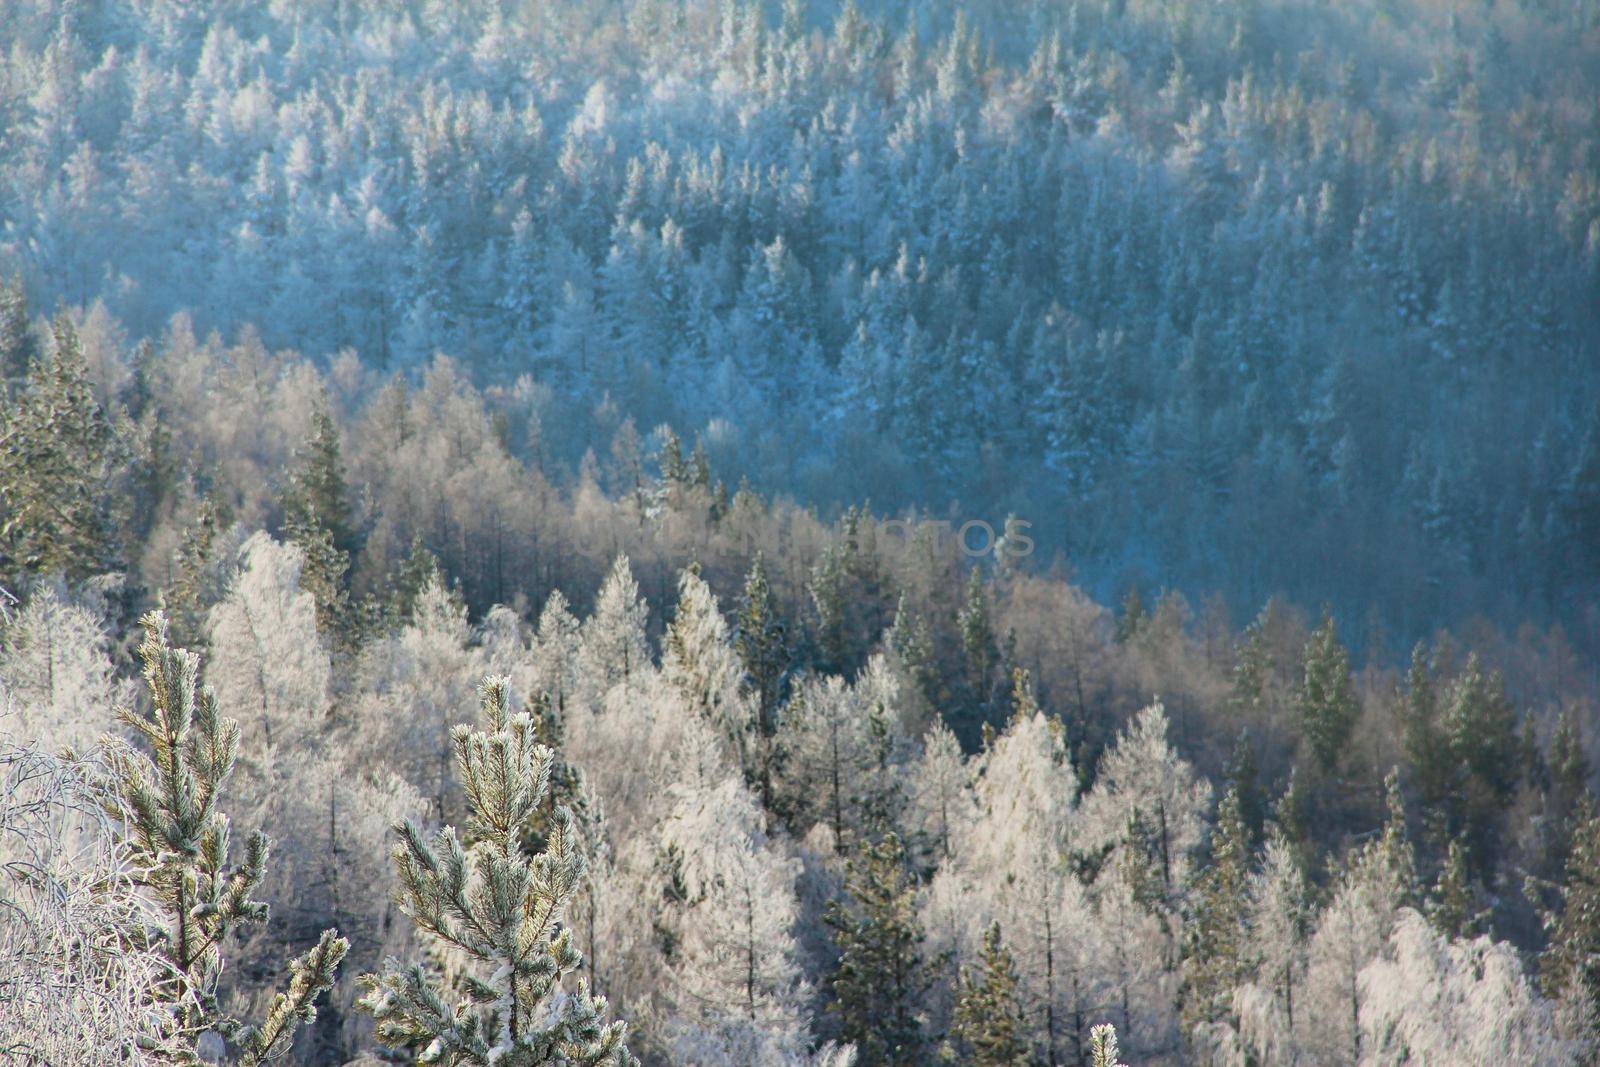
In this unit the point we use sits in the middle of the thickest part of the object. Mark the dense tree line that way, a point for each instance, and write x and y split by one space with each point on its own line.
1164 279
798 790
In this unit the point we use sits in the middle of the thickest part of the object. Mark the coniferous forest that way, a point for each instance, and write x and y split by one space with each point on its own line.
723 533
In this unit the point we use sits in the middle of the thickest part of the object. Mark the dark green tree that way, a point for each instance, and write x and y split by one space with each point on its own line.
16 335
1455 904
1569 968
316 496
978 647
1218 956
878 987
59 459
760 638
987 1026
1327 700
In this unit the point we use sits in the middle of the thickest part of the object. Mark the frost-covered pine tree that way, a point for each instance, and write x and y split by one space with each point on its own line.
179 844
501 908
939 802
1269 1010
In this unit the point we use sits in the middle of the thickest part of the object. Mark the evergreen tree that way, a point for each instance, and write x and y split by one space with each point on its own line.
1327 704
1421 735
58 460
1103 1051
1569 968
881 977
978 646
16 335
1132 619
180 847
987 1028
1219 954
1454 905
1480 728
406 584
316 496
760 640
194 586
501 908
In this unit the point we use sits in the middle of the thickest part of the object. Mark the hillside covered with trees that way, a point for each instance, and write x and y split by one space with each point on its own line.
480 578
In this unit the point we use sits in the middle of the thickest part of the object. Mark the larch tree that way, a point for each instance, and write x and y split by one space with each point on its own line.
179 844
882 975
55 665
611 645
699 660
268 660
504 910
738 992
1269 1010
939 801
1433 999
1379 878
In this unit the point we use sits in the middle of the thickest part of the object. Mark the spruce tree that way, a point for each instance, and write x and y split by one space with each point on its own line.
179 844
1421 735
58 458
1327 703
504 911
881 978
987 1026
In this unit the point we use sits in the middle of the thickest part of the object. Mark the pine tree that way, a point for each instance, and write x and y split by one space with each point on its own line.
193 588
16 334
1421 735
180 847
1327 703
504 911
1454 906
978 646
316 496
987 1027
1103 1051
58 460
760 638
881 978
420 568
1569 968
1218 956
